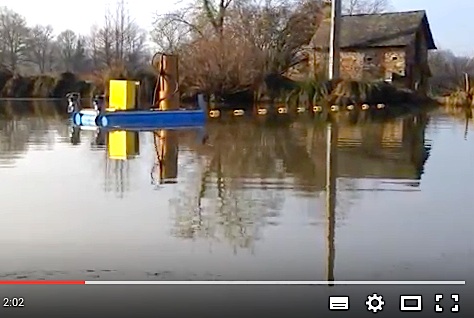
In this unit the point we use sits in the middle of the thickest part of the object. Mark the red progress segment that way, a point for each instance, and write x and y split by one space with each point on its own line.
42 282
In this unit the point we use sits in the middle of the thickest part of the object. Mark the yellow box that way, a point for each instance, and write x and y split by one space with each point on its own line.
123 94
123 145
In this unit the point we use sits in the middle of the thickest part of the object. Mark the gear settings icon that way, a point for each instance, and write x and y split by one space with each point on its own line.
374 303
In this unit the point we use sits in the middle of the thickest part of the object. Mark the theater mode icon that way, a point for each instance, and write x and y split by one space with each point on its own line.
339 303
410 303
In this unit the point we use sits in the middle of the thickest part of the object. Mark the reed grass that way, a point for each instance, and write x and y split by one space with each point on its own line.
319 91
460 99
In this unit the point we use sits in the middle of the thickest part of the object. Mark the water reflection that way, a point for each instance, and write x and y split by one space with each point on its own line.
468 115
75 135
122 146
282 196
28 125
464 114
165 169
331 192
246 168
290 156
99 141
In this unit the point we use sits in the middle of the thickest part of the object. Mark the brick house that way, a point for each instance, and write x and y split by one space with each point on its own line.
389 46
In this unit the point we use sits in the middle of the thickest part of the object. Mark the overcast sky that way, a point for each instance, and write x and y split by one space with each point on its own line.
450 20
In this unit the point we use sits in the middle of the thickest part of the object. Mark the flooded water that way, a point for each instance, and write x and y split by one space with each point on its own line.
246 202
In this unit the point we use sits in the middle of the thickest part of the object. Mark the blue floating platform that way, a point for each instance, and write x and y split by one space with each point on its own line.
141 119
155 119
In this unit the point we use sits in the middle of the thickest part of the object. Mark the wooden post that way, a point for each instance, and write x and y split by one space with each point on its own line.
466 80
334 56
168 94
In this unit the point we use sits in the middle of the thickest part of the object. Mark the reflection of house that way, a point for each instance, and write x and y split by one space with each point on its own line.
294 157
390 46
384 151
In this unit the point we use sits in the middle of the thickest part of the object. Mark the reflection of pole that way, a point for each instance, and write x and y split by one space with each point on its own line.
75 135
331 179
468 118
166 142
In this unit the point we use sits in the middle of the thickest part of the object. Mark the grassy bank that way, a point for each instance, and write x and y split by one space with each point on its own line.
458 99
42 86
58 85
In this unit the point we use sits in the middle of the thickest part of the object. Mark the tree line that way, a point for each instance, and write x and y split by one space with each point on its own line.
224 46
36 49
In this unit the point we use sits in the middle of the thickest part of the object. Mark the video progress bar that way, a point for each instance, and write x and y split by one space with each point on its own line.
205 282
301 283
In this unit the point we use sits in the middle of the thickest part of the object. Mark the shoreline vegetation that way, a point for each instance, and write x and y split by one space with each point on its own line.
270 36
279 89
57 86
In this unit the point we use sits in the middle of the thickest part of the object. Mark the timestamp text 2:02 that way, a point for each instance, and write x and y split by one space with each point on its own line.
13 302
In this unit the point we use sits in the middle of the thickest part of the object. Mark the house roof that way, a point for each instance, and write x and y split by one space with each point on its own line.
376 30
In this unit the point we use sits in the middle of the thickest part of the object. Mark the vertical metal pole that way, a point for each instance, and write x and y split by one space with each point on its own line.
334 49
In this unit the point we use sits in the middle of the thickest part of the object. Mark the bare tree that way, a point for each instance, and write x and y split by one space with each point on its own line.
216 11
100 45
14 36
352 7
40 46
228 46
80 59
92 45
67 42
171 30
202 17
118 41
448 70
135 47
128 37
279 29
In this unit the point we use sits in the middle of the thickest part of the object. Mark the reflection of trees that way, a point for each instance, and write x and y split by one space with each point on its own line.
36 108
236 187
26 124
247 167
238 184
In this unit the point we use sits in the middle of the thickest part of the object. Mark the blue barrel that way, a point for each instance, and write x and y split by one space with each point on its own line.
152 119
88 120
85 117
